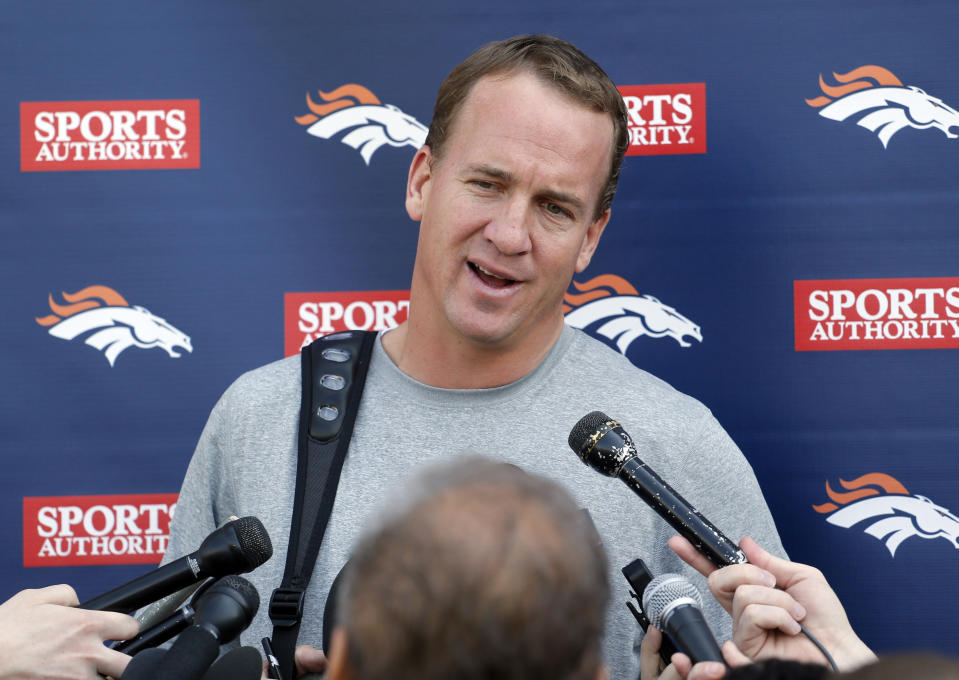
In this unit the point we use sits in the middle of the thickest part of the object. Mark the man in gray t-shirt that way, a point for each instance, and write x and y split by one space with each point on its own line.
512 191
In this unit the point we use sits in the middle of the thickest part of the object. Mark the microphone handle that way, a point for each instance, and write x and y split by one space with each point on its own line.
147 588
687 628
682 516
158 633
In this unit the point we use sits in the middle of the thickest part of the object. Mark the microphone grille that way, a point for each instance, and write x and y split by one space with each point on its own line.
254 541
665 591
246 590
587 426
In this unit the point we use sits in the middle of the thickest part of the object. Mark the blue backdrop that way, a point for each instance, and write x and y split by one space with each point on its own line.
780 193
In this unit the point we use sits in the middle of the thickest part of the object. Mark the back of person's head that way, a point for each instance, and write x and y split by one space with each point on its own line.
556 62
912 665
486 572
778 669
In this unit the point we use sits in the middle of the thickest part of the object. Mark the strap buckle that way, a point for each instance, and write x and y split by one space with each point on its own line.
286 607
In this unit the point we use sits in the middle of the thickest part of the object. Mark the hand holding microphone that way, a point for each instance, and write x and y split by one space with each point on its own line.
604 445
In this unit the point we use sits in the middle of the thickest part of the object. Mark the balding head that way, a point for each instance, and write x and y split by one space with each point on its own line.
487 572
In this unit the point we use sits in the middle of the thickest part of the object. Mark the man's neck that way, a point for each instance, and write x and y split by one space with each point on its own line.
460 365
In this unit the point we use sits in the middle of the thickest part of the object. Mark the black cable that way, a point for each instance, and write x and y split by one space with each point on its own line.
818 644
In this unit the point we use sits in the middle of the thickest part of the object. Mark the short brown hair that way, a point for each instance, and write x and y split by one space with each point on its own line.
487 573
554 61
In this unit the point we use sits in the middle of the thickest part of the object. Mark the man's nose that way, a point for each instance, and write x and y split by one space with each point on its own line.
509 229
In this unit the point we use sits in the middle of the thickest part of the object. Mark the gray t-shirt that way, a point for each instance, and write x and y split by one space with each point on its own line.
245 464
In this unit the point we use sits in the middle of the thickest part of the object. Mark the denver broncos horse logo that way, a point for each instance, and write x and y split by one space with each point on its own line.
894 515
115 325
372 124
892 105
621 314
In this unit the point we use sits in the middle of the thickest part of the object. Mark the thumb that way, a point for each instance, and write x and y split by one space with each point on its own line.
309 660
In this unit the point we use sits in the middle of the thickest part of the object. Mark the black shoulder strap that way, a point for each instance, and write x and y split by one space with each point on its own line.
333 373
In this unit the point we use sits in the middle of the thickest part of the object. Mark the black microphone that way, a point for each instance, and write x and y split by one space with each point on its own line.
222 613
159 632
674 606
235 548
604 445
143 666
242 663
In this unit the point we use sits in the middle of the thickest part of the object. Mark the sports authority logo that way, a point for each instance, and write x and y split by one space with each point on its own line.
888 105
112 324
110 135
308 316
665 119
82 530
608 305
877 314
892 514
368 124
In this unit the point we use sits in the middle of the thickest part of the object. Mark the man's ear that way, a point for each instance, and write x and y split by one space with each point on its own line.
591 240
417 184
339 668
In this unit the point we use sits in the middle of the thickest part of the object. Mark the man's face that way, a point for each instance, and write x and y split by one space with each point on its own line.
507 213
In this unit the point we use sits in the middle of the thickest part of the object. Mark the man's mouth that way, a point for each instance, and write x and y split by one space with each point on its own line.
489 278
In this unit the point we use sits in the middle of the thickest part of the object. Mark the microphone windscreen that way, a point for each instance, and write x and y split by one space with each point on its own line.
665 591
254 541
243 663
585 429
143 666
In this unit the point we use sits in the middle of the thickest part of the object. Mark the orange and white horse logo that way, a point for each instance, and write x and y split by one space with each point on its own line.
113 325
371 124
610 306
888 105
892 513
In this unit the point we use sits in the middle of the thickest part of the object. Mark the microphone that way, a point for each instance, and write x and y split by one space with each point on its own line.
158 633
143 666
674 606
235 548
222 613
604 445
242 663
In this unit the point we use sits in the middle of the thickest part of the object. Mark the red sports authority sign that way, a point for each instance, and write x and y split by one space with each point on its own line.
81 530
877 314
665 119
308 316
110 135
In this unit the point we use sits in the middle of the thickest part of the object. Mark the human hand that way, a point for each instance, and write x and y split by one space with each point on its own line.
769 596
44 635
651 664
307 660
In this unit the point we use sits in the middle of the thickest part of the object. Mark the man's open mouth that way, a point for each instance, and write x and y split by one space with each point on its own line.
489 278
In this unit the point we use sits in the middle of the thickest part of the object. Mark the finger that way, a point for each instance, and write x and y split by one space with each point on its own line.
682 663
747 595
112 663
733 656
688 554
784 571
649 661
309 659
59 594
723 583
670 673
707 670
264 671
113 625
757 619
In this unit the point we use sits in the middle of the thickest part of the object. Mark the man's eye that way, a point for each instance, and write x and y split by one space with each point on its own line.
483 184
556 209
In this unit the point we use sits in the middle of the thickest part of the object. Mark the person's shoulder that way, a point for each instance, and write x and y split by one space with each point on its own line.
605 371
276 380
